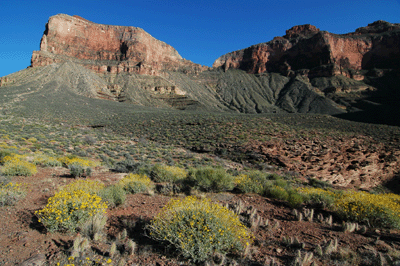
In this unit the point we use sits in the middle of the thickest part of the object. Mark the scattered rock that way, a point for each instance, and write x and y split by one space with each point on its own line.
36 260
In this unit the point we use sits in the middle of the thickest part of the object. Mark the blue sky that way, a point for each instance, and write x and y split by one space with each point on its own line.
200 31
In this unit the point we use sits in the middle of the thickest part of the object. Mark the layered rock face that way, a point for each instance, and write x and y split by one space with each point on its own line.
105 48
318 53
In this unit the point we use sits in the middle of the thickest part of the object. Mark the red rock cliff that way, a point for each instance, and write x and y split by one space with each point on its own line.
320 52
105 48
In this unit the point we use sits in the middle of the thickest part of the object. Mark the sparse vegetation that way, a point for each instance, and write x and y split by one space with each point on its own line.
152 156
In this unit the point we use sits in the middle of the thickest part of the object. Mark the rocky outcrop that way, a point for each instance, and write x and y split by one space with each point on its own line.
105 48
305 71
321 53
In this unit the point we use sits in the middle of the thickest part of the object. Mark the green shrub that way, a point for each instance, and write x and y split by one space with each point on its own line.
211 179
15 165
281 183
198 228
77 170
165 173
10 193
114 195
318 183
136 183
276 192
46 161
295 199
126 166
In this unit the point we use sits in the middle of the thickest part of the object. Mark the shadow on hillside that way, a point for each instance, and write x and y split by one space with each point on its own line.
393 185
381 106
386 115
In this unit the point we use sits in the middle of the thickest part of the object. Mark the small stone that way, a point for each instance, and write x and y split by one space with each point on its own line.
37 260
278 250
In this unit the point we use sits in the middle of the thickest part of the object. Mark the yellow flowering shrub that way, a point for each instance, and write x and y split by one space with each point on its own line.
71 207
15 164
85 261
166 173
67 160
32 140
5 150
89 186
10 193
393 197
199 227
377 209
136 183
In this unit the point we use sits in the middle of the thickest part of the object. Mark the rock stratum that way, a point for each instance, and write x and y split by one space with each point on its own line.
354 75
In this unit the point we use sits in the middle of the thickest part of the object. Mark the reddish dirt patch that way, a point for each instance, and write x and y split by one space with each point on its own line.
358 162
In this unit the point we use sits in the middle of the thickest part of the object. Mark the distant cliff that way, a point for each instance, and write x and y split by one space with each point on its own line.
354 75
317 53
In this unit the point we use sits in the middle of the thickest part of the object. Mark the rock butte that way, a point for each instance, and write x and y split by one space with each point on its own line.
105 48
